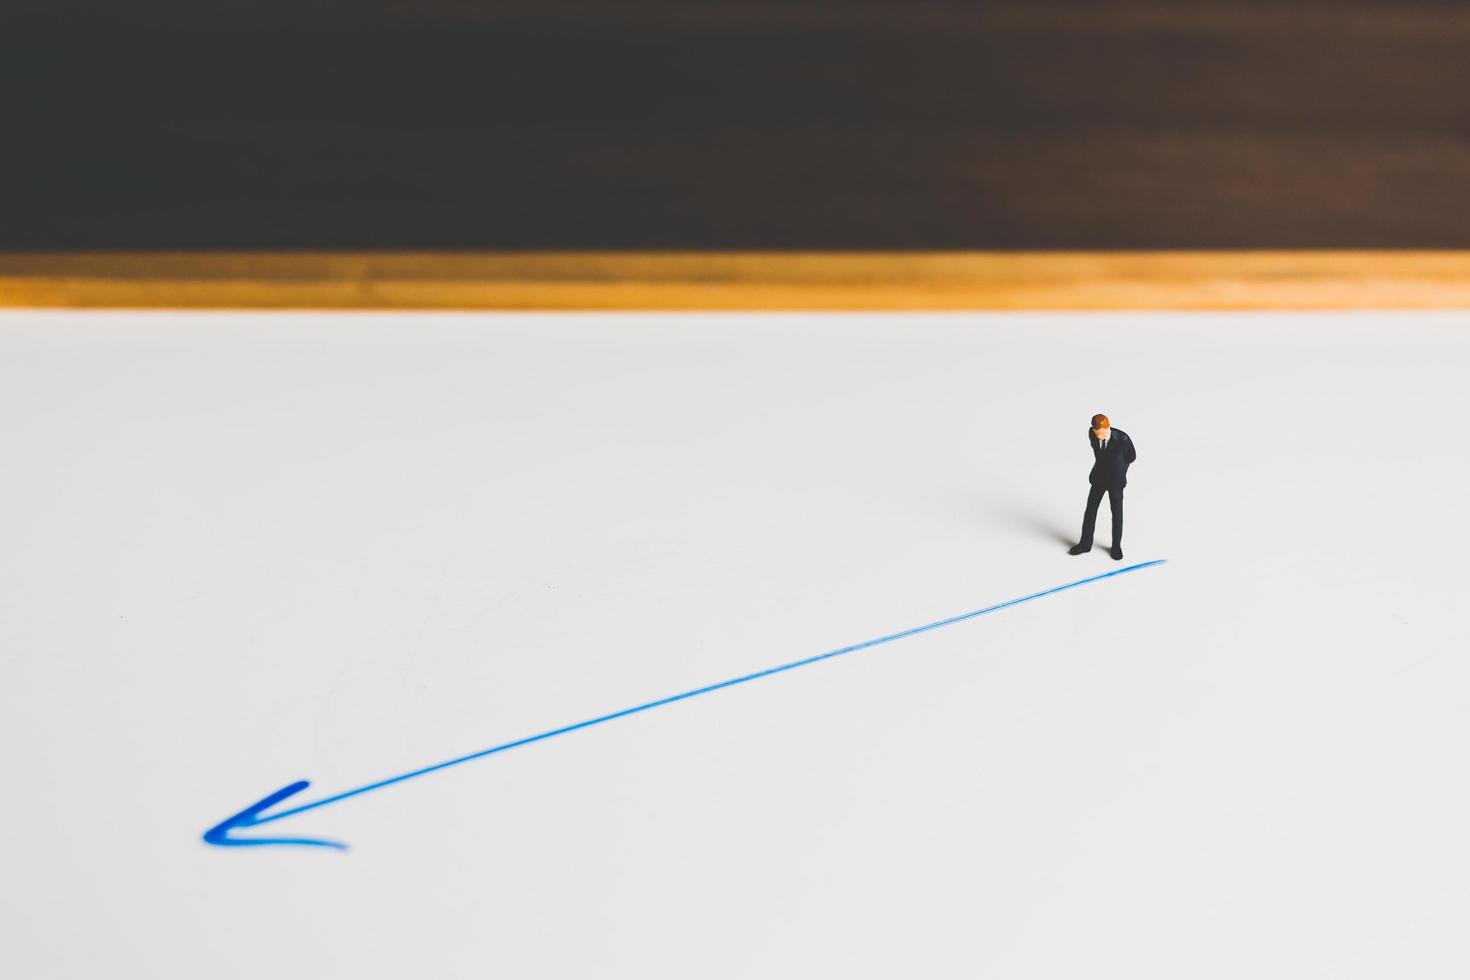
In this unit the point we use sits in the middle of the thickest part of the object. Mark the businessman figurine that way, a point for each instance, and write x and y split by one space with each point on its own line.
1112 451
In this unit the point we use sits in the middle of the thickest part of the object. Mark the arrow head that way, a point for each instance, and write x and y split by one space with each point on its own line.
219 834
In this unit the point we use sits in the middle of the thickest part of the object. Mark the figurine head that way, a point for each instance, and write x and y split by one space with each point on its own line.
1100 427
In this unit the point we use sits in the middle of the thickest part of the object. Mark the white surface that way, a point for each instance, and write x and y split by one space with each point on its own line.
239 550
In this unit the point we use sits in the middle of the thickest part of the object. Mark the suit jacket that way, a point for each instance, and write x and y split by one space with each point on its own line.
1110 465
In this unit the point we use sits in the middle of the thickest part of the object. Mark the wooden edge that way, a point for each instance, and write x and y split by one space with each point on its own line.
1243 280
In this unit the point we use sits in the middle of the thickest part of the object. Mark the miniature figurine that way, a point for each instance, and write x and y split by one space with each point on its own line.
1112 452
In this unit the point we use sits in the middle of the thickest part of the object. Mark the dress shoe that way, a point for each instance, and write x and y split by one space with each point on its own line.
1079 549
1117 553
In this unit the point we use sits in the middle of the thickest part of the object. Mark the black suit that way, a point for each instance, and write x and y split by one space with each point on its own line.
1109 475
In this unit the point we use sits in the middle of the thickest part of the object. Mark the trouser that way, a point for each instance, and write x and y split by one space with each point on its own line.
1089 519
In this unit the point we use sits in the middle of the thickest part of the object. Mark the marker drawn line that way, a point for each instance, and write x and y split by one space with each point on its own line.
251 816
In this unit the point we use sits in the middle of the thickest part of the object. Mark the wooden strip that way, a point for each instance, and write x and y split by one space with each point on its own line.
740 280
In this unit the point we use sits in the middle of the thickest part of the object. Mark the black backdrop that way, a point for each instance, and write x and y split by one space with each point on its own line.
721 124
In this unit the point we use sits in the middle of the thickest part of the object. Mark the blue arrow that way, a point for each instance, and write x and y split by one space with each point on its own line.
252 815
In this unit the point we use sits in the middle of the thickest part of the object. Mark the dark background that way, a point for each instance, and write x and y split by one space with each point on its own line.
717 124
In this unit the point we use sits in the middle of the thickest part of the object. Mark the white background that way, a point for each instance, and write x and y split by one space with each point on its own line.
239 550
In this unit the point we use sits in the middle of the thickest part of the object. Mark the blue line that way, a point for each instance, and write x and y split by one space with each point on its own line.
866 644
